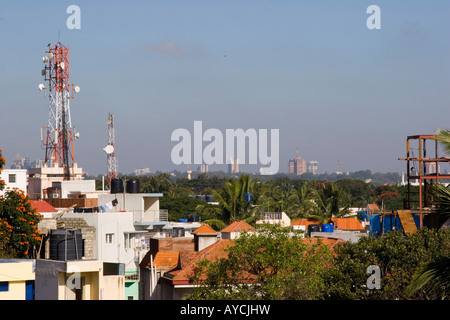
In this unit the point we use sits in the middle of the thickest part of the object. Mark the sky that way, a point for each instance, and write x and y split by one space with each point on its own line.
335 89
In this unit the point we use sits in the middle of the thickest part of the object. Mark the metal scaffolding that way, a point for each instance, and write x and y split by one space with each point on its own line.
424 169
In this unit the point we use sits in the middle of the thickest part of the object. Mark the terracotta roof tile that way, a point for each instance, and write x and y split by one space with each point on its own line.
204 229
189 260
166 259
42 206
373 206
348 224
217 251
303 222
238 226
340 223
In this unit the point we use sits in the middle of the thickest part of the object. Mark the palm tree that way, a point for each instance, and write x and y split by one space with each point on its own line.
238 198
433 278
330 201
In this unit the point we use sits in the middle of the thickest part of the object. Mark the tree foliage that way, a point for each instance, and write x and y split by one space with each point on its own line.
274 263
19 234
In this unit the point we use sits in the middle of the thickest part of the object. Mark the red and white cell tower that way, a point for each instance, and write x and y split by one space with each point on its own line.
57 137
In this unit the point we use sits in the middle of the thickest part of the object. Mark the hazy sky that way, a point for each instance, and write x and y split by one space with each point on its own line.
312 69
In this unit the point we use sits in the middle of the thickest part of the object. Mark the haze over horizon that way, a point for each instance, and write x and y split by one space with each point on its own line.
336 90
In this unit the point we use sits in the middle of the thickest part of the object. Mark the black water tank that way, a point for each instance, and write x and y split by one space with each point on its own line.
193 218
177 232
116 186
313 228
133 186
66 244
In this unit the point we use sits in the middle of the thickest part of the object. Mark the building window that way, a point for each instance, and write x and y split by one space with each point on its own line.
109 238
12 178
4 286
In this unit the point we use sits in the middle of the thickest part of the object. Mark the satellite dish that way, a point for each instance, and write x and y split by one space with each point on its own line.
77 89
77 135
62 65
44 59
50 55
109 149
41 86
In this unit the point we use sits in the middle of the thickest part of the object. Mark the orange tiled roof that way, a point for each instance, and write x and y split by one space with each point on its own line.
348 224
166 259
373 206
204 229
218 251
238 226
189 260
42 206
303 222
340 223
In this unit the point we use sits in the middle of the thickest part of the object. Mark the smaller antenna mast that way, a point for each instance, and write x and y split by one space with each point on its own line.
110 149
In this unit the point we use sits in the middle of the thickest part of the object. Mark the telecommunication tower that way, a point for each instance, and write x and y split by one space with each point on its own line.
110 149
57 137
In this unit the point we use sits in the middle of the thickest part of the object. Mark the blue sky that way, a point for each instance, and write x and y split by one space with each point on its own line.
312 69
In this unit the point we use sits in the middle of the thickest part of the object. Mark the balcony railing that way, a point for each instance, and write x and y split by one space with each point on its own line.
160 215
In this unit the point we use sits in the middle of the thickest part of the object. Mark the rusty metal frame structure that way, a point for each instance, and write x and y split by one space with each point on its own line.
424 177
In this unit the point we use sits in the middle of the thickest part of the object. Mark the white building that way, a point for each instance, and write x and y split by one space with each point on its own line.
14 178
41 181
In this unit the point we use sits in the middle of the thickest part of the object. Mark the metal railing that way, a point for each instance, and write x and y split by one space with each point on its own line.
271 216
160 215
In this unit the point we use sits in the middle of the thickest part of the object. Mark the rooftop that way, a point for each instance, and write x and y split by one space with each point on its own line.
204 229
42 206
238 226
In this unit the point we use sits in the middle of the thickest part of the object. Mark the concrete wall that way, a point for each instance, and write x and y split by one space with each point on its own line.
113 288
20 179
16 272
115 224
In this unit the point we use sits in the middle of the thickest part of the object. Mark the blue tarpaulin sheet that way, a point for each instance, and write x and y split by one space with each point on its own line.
390 223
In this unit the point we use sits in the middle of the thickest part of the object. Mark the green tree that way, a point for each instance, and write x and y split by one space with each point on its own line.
272 264
160 183
233 198
398 258
19 235
329 201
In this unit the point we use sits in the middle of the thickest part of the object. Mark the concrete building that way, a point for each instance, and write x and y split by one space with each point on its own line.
14 178
121 233
78 280
41 180
297 165
234 230
275 217
17 279
233 166
312 167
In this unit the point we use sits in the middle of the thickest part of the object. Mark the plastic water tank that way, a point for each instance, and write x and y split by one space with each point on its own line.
133 186
116 186
66 244
326 227
313 228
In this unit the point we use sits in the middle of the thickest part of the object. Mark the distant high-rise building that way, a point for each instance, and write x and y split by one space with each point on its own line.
203 168
297 165
312 167
233 166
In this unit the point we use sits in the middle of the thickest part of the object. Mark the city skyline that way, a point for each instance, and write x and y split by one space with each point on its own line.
334 88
